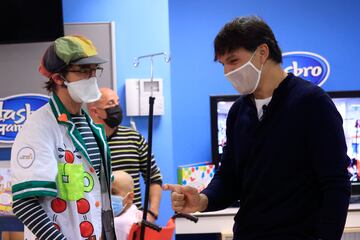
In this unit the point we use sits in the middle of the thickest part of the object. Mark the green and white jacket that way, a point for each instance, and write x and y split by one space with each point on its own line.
49 160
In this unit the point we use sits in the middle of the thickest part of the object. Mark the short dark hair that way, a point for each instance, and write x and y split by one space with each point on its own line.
246 32
50 85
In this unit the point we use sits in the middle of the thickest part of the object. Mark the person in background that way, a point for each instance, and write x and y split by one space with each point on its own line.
128 149
285 157
60 160
125 212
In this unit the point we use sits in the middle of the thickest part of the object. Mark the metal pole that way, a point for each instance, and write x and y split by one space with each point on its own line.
150 130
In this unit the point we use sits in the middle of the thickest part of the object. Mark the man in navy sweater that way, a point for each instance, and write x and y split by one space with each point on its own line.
285 158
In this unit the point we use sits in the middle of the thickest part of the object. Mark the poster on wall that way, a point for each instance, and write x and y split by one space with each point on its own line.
197 175
5 192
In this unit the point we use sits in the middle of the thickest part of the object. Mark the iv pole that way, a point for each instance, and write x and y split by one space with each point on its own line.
136 63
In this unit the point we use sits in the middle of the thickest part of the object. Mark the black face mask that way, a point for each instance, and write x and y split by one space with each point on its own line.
114 116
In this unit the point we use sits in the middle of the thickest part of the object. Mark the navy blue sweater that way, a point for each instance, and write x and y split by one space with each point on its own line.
288 170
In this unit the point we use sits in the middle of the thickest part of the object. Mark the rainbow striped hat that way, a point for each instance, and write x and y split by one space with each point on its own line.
68 50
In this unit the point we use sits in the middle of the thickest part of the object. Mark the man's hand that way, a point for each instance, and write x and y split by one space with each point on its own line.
186 199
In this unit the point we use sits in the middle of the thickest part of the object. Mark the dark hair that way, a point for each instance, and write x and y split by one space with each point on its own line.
246 32
50 85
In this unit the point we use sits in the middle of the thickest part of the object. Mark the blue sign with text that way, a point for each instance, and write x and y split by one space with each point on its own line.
307 65
14 110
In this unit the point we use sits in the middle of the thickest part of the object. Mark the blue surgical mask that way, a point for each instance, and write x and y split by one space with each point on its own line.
117 204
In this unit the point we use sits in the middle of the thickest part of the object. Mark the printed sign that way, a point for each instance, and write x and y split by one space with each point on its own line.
307 65
14 110
5 192
196 175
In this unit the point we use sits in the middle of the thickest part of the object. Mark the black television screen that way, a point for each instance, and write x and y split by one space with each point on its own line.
23 21
219 108
347 103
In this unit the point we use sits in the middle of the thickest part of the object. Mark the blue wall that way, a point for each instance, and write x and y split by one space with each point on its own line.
141 28
326 28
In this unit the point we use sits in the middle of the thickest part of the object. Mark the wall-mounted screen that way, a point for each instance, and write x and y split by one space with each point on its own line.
347 103
219 108
23 21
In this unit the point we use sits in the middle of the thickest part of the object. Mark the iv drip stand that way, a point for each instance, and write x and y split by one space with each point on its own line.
136 63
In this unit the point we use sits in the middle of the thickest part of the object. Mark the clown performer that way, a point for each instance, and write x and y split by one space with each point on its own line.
60 161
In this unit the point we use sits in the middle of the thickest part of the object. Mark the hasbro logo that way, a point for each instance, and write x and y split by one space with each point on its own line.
14 110
309 66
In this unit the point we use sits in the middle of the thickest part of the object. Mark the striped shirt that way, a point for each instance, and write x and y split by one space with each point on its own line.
34 217
129 153
91 145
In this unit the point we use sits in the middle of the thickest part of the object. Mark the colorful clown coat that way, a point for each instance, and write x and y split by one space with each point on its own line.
49 160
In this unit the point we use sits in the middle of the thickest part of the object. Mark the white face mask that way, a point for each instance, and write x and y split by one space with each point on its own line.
245 78
84 91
